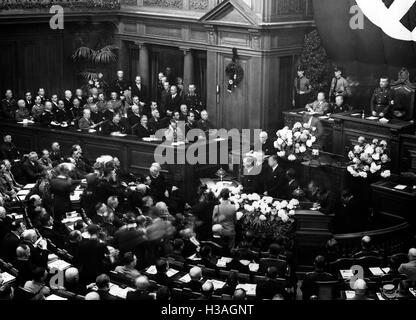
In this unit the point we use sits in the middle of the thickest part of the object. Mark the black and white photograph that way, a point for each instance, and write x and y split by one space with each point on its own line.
206 157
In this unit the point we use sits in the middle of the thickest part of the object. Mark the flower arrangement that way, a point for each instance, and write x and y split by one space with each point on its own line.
265 216
369 159
293 143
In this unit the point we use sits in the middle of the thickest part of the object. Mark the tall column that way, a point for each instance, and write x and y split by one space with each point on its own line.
144 64
188 66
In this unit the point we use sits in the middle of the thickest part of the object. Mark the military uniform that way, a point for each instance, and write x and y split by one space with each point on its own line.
22 114
61 115
252 182
381 101
8 108
46 118
120 86
97 117
301 90
194 103
339 87
340 109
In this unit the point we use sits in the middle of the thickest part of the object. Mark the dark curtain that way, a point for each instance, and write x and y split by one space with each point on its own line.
200 75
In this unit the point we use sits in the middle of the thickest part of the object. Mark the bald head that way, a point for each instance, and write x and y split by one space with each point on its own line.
412 254
23 252
239 294
71 275
142 283
30 235
360 286
207 288
92 296
195 273
366 242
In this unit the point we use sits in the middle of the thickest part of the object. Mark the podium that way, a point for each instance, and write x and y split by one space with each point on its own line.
349 126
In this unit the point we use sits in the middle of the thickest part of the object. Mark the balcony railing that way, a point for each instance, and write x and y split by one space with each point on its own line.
72 4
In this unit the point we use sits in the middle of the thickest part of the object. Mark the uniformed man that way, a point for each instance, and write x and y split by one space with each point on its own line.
22 113
8 149
37 108
8 106
76 110
120 85
340 106
251 180
301 89
42 95
47 117
320 106
339 86
60 113
193 101
68 101
382 101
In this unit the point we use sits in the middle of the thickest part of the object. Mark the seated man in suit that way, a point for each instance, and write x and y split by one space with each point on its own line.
31 168
268 288
162 267
320 106
409 269
275 184
134 115
156 123
251 179
96 116
128 268
366 249
218 244
142 290
23 264
142 130
38 249
85 123
103 288
207 291
266 144
11 241
49 231
174 133
308 285
114 125
47 117
196 279
237 263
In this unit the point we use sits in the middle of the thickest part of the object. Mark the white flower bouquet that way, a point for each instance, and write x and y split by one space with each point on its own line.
293 143
369 159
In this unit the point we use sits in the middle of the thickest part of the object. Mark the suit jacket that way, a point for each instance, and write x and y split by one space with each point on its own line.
38 256
9 151
97 117
91 256
195 286
8 246
53 235
84 124
25 269
32 171
141 93
106 296
141 132
173 104
155 125
139 295
320 108
252 183
134 119
276 183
